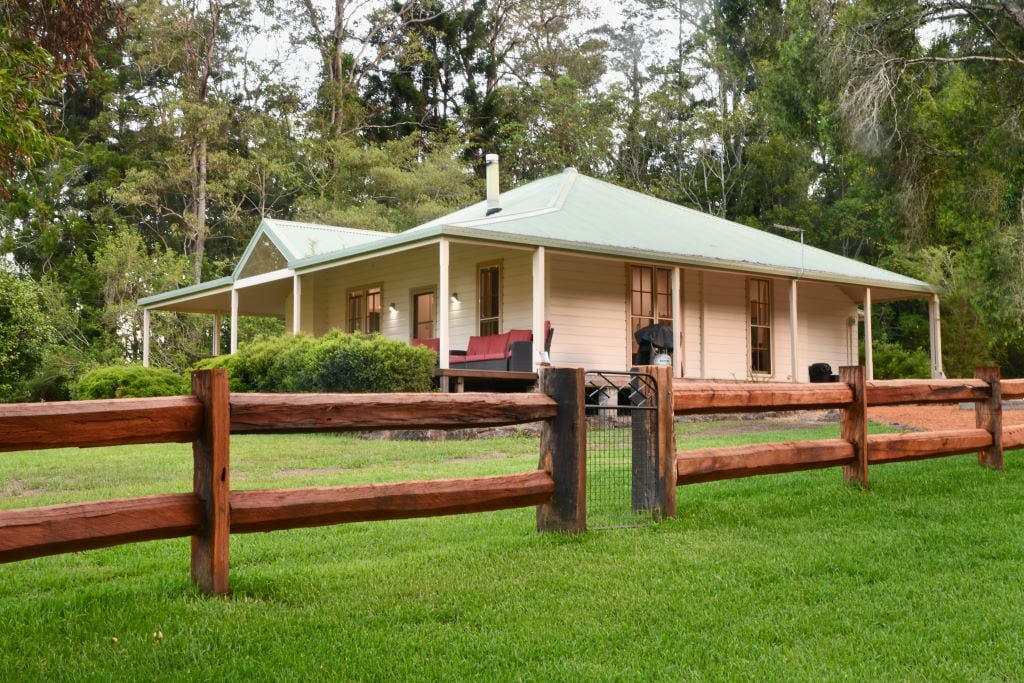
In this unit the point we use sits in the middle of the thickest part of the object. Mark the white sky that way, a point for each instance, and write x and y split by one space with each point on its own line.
302 65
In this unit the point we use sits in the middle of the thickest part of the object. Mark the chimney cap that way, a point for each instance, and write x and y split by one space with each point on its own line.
491 159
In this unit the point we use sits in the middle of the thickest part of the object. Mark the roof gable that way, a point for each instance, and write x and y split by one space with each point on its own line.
280 244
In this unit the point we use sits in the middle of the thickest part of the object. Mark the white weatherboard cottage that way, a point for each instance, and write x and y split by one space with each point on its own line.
595 260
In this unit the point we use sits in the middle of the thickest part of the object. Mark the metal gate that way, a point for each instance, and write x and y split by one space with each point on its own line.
622 438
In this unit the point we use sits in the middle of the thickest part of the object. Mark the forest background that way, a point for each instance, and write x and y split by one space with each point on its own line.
141 141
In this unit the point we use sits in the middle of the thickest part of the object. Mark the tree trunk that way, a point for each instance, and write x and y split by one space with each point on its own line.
200 219
337 70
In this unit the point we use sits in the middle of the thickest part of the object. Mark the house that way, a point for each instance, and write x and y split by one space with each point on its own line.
594 260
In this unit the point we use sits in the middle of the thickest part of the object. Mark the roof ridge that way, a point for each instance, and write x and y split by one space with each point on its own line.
568 183
281 222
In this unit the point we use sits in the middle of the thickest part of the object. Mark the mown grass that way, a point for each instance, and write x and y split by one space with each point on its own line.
785 577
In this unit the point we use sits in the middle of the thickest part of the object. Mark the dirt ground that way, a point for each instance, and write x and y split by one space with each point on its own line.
935 417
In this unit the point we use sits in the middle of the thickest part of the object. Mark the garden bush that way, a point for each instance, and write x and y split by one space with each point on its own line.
357 362
892 361
129 381
223 362
336 362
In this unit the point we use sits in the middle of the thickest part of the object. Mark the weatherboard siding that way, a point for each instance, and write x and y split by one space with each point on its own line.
725 321
826 335
516 289
399 275
587 308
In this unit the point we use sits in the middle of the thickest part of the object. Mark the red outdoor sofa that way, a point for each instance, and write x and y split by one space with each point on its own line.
509 351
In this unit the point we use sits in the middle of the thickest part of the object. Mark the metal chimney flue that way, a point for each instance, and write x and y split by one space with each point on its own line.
493 190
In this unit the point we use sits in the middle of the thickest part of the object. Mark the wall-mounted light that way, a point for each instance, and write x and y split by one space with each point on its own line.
392 308
455 297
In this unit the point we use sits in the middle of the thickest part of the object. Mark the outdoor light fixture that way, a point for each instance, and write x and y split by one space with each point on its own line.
455 297
392 308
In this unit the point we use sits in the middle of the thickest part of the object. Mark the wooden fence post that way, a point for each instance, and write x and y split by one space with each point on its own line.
211 481
563 451
654 450
989 416
854 424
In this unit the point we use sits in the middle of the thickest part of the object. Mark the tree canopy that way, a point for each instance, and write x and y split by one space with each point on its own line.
142 140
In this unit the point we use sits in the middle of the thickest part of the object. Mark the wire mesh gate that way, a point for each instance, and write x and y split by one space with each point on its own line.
622 437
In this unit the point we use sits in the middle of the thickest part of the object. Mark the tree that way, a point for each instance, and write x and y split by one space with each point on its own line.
24 333
41 43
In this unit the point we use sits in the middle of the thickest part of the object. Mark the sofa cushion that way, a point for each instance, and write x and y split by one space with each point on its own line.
434 343
487 345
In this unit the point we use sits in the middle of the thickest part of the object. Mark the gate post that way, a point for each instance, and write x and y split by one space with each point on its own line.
211 482
654 446
644 441
563 450
854 425
989 416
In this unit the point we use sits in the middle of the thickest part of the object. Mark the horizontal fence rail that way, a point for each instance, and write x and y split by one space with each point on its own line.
263 413
884 448
693 398
34 426
729 397
35 532
902 392
712 464
293 508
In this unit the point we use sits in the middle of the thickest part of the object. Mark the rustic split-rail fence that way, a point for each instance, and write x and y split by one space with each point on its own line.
208 418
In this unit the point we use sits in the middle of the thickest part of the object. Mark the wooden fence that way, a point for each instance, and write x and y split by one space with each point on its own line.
212 511
855 451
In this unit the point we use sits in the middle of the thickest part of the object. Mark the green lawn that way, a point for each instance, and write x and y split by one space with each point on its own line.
783 577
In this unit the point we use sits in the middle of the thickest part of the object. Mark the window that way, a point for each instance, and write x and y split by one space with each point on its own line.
650 298
760 296
423 306
489 280
364 310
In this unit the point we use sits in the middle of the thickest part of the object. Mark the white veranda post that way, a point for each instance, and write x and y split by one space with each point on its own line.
234 320
869 358
677 322
296 304
794 332
145 337
538 305
216 334
935 326
443 294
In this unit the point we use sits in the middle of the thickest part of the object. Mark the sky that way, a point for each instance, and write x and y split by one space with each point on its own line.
302 64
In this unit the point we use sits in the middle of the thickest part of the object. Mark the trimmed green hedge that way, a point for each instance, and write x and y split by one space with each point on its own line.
336 362
129 381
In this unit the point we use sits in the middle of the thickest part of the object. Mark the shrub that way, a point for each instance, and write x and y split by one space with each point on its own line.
129 381
892 361
336 362
223 362
370 363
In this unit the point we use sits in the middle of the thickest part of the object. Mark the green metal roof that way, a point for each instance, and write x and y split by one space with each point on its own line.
187 291
575 212
295 241
304 240
579 213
